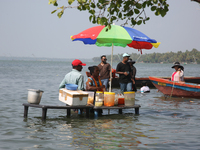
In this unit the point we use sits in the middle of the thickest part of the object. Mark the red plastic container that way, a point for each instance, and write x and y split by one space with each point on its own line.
120 101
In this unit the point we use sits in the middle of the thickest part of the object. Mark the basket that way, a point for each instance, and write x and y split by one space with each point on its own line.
72 87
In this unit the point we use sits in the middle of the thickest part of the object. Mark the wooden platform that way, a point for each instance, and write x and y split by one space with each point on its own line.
68 108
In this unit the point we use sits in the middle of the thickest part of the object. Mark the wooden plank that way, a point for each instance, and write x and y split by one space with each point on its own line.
44 113
96 109
117 107
57 107
25 111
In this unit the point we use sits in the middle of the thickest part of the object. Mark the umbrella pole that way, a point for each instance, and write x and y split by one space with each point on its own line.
111 70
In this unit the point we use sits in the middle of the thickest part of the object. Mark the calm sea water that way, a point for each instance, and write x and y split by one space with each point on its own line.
162 123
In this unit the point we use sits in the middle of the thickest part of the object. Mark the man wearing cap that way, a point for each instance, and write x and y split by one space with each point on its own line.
124 71
74 77
104 69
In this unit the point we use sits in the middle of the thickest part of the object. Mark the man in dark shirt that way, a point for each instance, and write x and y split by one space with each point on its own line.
133 72
124 71
104 69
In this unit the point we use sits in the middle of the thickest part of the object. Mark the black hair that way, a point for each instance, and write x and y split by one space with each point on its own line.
92 68
144 83
103 56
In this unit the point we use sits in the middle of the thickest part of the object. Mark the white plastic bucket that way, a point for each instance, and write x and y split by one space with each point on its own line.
34 96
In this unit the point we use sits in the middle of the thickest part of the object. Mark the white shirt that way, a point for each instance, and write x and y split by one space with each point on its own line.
144 89
178 77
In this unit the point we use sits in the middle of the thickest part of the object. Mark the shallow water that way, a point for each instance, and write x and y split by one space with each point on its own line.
163 123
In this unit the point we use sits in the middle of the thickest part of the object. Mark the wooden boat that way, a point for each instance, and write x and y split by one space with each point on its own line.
115 81
178 89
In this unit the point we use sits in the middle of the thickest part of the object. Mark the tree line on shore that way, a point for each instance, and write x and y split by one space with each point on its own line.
169 57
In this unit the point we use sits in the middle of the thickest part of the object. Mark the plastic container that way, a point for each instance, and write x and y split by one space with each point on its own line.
90 97
121 99
99 98
109 98
129 98
72 87
34 96
116 99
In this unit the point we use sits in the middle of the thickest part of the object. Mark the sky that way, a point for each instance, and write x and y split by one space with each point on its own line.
28 29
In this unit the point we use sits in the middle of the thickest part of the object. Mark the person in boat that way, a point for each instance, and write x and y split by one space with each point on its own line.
124 71
178 74
94 83
133 73
74 77
104 69
144 88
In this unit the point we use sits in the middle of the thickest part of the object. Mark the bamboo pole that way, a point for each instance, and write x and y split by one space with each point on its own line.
110 83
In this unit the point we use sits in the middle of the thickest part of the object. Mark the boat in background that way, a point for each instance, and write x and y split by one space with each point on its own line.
115 80
177 89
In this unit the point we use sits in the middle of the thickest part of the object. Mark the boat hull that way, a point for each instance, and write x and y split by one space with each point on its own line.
115 81
171 88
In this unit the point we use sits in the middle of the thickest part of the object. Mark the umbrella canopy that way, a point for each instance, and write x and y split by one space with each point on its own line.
116 36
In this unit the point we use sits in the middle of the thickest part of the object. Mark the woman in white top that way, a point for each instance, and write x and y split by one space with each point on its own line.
178 74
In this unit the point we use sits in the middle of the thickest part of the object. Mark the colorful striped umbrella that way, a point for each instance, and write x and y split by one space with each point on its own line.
116 36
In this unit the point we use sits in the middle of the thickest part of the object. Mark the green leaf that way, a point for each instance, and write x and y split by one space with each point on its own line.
90 18
153 8
94 19
79 7
147 18
157 13
99 20
53 11
139 22
120 15
155 1
92 5
130 12
136 11
54 2
92 11
113 18
162 12
60 14
70 2
133 21
138 5
144 4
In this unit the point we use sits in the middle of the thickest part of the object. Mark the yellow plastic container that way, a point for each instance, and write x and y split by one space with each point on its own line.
129 98
109 98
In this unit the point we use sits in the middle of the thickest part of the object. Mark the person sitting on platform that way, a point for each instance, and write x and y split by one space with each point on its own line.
178 75
74 77
144 88
93 83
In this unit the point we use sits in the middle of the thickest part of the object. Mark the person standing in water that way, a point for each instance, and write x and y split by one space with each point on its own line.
104 70
124 71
